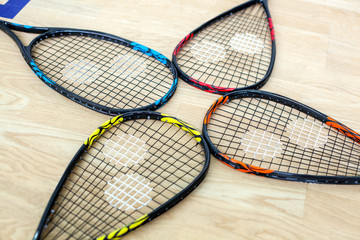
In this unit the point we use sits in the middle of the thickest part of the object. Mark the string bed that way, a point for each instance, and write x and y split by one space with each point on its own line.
271 135
101 195
233 52
103 72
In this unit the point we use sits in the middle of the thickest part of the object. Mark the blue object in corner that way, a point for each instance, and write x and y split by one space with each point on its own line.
12 7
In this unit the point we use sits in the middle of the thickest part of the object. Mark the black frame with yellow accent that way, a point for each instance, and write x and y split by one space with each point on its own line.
158 211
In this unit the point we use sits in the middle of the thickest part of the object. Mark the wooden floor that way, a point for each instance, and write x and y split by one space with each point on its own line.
317 63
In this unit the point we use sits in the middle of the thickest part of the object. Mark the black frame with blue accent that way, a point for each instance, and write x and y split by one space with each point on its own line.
45 32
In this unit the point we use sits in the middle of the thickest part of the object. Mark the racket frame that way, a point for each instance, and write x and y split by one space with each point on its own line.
159 210
52 32
223 90
237 164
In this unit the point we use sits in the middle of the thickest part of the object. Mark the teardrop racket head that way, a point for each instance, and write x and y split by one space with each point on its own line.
132 169
106 73
270 135
233 51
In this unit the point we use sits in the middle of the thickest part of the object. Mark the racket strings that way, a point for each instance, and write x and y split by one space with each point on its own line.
218 54
70 199
100 196
118 197
144 90
68 223
68 219
251 120
305 145
66 48
103 72
300 130
222 68
249 60
266 145
170 149
125 150
96 215
251 43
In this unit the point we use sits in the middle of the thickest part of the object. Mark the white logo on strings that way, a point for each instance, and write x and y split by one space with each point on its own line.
246 43
208 51
124 150
128 192
81 71
127 66
261 144
307 133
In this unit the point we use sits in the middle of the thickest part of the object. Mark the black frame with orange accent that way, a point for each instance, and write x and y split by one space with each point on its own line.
217 89
243 167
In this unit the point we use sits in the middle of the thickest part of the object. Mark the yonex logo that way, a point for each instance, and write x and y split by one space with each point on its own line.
307 133
247 43
208 51
261 144
128 192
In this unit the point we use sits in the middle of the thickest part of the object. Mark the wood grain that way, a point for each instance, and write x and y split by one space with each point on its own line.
318 59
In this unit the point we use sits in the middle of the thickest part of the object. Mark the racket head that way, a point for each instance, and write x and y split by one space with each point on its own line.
103 72
133 168
233 51
266 134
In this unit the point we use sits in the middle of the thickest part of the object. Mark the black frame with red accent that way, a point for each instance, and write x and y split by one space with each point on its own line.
243 167
221 90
